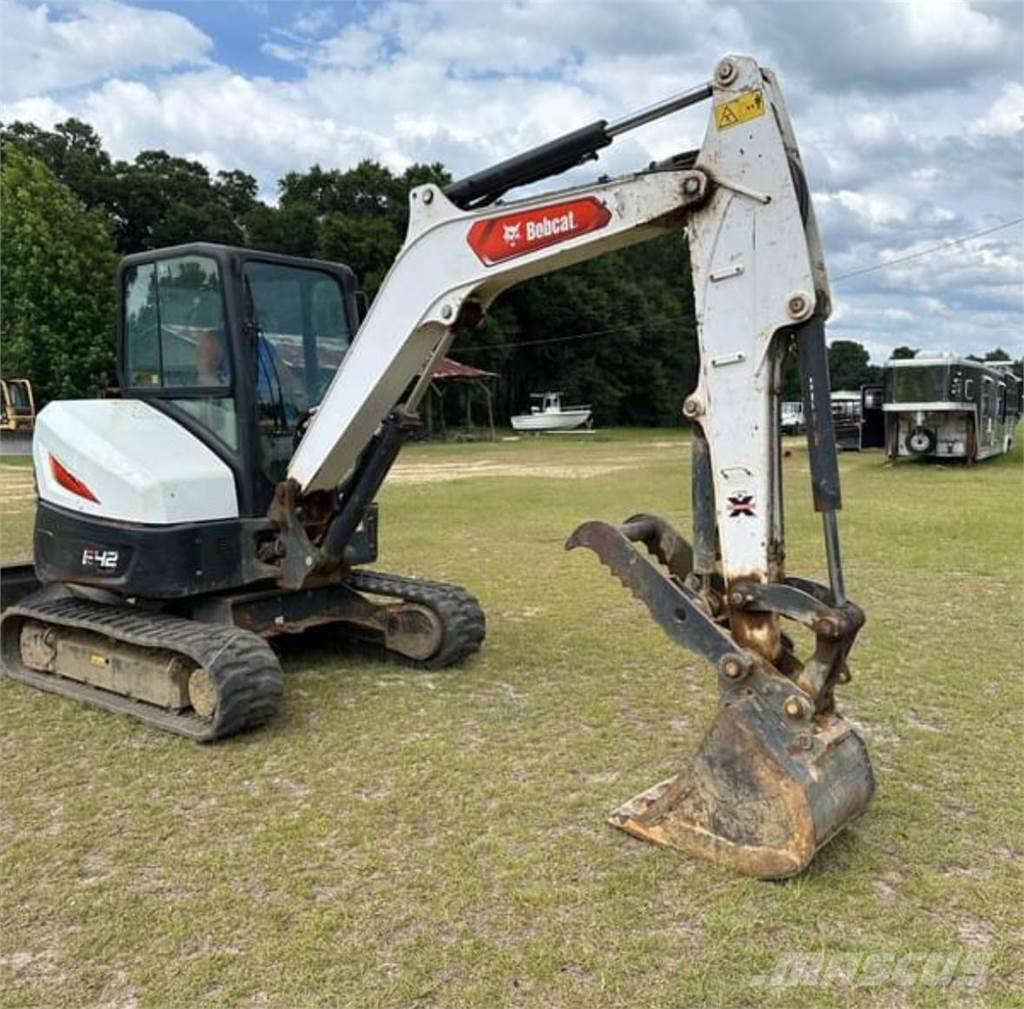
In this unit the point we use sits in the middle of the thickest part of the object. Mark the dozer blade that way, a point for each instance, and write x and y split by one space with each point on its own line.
775 778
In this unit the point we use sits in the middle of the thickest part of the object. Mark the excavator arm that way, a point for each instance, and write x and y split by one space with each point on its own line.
779 772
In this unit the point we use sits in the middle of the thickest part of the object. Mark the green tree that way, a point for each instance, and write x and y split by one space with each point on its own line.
292 230
850 365
159 200
237 192
367 244
903 354
58 298
73 151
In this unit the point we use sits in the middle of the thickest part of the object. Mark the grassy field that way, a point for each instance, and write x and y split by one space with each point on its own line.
401 838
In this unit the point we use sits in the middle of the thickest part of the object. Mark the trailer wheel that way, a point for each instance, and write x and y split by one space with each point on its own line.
920 441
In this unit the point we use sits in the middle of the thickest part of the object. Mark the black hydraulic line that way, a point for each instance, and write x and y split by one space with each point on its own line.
370 474
552 158
561 154
703 499
821 444
821 435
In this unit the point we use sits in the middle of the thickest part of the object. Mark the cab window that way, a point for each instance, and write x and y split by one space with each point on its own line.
175 335
176 339
300 333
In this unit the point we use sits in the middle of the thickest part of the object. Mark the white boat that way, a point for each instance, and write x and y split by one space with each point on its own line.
550 415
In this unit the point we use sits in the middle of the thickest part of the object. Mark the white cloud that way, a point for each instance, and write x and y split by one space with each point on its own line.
874 129
44 49
313 22
909 115
873 208
891 48
1005 116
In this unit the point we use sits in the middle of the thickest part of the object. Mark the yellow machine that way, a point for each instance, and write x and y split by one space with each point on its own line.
17 405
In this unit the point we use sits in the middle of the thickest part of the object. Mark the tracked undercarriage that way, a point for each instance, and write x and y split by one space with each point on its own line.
215 676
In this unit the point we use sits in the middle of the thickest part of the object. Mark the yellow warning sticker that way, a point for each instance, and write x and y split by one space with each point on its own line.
748 106
98 660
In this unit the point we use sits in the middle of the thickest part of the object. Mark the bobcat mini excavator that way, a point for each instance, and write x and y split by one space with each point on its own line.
228 495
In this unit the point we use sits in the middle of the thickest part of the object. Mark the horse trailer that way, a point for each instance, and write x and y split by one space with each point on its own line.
946 407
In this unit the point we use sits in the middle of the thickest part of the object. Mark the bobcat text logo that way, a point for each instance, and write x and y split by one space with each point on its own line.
548 226
106 560
512 233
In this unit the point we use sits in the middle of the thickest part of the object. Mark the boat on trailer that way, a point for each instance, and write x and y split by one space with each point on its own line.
947 407
550 415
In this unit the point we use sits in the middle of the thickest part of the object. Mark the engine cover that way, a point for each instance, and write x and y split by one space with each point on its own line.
124 460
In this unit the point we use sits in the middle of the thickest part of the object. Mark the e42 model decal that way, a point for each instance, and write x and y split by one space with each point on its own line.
499 238
96 557
740 504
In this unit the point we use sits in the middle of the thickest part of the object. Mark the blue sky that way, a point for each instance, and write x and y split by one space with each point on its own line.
240 28
910 115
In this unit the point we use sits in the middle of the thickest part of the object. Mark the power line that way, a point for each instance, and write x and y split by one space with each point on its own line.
563 339
952 243
927 252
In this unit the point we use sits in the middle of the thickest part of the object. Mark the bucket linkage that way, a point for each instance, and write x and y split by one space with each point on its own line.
779 772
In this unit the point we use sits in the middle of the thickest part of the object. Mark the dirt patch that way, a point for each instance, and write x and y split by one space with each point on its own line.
924 726
30 968
887 888
421 473
975 932
17 486
875 733
965 871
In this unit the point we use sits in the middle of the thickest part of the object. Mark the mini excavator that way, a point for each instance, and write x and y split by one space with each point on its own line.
228 494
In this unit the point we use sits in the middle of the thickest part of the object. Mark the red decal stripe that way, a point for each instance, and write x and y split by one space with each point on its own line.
499 238
69 481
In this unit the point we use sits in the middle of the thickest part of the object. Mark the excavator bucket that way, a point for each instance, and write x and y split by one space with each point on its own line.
779 773
757 797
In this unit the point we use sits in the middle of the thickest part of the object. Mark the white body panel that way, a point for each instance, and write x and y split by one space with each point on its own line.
750 254
550 420
140 464
434 273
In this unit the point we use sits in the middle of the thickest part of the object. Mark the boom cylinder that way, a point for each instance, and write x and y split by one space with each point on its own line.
561 154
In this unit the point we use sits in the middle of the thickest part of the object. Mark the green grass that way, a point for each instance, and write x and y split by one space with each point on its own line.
401 838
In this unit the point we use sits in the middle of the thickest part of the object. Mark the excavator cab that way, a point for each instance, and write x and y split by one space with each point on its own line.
237 346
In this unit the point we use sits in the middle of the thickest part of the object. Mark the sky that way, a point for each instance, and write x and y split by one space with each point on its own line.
910 115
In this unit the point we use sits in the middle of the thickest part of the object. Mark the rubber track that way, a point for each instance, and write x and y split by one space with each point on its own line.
245 670
461 616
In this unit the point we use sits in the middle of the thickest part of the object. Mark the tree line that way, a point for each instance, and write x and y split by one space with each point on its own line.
617 332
